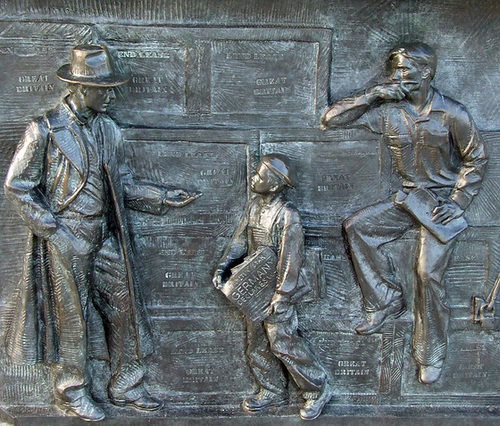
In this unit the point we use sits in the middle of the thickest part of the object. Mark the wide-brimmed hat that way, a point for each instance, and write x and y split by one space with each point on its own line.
91 65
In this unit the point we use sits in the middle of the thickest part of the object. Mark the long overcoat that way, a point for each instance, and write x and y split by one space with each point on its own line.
48 171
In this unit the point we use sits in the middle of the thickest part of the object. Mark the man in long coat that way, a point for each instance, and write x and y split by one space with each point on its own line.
68 182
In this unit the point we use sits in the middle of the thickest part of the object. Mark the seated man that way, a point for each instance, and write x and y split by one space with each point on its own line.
271 221
440 158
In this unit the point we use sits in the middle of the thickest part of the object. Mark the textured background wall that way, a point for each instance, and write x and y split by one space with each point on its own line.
214 85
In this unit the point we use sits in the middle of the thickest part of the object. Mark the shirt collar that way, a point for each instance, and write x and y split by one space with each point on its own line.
426 110
74 117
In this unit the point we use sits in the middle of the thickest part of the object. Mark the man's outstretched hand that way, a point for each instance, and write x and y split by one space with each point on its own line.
180 198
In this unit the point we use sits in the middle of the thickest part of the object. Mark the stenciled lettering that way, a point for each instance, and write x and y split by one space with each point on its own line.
199 350
270 81
200 375
245 290
33 78
148 89
215 172
228 181
211 350
39 88
180 284
144 54
245 56
344 363
148 84
199 379
351 372
271 86
182 154
34 83
272 91
200 219
335 177
351 368
183 351
341 186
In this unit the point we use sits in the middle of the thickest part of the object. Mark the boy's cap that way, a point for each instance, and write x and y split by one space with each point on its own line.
278 164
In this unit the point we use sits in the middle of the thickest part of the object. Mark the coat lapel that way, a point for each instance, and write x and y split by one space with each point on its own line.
67 136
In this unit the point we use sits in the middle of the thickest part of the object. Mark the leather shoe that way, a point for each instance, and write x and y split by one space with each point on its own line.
313 407
377 319
264 399
82 405
137 398
428 374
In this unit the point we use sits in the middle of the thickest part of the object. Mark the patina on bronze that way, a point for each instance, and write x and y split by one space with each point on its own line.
70 186
440 157
213 88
